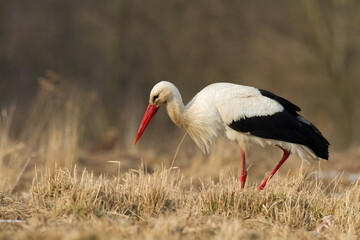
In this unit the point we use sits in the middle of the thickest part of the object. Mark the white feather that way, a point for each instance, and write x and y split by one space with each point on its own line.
235 102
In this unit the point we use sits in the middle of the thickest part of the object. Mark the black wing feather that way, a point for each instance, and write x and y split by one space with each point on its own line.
287 126
292 108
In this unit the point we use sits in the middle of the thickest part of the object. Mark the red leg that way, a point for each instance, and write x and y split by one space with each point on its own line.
243 169
285 156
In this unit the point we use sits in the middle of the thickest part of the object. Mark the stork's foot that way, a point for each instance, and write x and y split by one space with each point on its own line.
264 183
243 178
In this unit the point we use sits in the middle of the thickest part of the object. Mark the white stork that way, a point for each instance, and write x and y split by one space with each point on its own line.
242 115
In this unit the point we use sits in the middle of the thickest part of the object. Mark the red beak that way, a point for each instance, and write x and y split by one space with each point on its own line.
150 112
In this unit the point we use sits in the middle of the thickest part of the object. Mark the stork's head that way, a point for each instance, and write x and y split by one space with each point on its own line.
161 93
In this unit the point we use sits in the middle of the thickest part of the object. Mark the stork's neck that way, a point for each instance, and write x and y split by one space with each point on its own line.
176 109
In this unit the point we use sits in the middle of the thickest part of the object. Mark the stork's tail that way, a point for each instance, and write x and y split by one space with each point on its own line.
314 139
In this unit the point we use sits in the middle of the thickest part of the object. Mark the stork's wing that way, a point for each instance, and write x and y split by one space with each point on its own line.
266 115
241 102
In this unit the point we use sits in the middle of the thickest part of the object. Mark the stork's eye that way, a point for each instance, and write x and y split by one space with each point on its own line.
155 97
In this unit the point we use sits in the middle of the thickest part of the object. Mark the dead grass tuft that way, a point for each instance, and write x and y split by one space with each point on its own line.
296 202
133 194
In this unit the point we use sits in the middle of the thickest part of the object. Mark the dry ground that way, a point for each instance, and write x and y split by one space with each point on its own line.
164 205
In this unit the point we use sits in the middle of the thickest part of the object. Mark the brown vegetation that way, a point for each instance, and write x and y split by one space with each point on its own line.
68 166
138 204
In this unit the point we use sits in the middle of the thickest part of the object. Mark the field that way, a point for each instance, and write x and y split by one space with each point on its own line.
55 186
163 205
75 78
166 205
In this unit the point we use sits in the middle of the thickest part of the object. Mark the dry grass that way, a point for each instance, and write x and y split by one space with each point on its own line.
191 201
160 205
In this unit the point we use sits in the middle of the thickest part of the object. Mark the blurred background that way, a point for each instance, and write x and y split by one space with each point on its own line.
75 77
